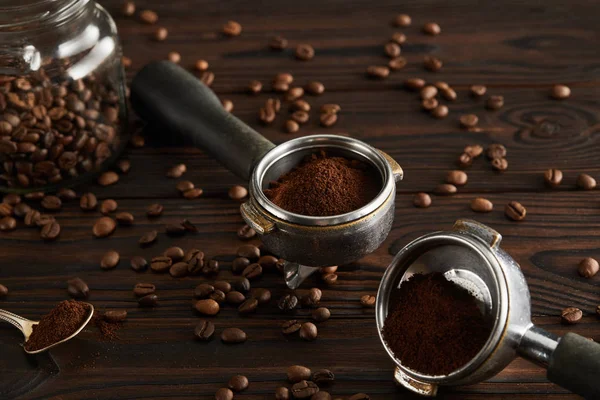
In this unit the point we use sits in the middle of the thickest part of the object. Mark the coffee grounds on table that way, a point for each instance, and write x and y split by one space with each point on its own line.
60 323
325 186
434 326
108 329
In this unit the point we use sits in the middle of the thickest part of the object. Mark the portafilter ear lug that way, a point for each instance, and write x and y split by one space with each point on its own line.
479 230
422 388
396 168
255 219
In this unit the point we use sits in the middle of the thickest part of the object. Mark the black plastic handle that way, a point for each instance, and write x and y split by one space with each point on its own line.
575 365
166 95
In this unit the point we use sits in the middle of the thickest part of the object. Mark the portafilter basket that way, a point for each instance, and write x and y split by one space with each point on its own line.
169 97
471 257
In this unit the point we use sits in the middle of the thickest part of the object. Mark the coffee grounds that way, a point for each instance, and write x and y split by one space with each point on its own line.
435 327
108 330
325 186
60 323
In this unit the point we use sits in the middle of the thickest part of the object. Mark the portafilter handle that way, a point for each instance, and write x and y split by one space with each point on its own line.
169 97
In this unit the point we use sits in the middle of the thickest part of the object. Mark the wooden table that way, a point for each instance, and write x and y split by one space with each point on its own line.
517 50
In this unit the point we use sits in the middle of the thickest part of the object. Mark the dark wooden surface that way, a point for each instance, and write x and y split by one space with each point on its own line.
519 49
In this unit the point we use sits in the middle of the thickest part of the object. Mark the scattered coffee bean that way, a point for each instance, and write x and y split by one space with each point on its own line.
328 119
233 335
449 94
154 210
174 253
397 63
217 296
149 17
494 102
201 65
268 262
246 233
304 389
143 289
571 315
477 90
3 291
232 28
248 251
560 92
321 314
553 177
88 202
282 393
50 231
300 105
441 111
150 300
223 286
207 307
238 383
297 373
227 105
255 87
515 211
330 278
192 193
104 227
128 8
211 267
301 117
36 196
402 20
359 396
160 34
399 38
312 298
242 284
234 297
586 182
184 186
288 303
429 104
500 164
110 260
278 43
431 63
291 326
8 224
291 126
465 160
304 52
323 377
239 264
457 177
392 49
44 220
432 29
177 171
315 88
12 199
308 331
115 315
481 205
124 218
204 330
77 288
263 296
378 71
178 270
108 178
248 306
496 151
6 210
148 238
588 267
468 120
238 192
161 264
138 263
51 203
414 83
428 92
252 271
19 211
203 291
108 206
445 189
368 300
174 57
474 150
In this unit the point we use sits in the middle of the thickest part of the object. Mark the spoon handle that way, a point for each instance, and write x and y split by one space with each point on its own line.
22 323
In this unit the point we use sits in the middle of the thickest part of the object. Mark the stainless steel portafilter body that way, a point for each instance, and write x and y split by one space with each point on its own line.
470 256
167 96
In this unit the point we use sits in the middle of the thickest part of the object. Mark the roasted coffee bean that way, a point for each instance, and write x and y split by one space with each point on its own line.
239 264
207 307
586 182
248 306
238 192
201 65
19 211
248 251
422 200
429 104
246 233
44 219
457 178
184 186
207 78
233 335
432 29
468 120
304 52
138 263
204 330
445 189
108 178
500 164
148 238
174 253
294 93
321 314
304 389
560 92
177 171
571 315
160 34
108 206
175 57
104 227
149 300
269 263
553 177
465 160
297 373
232 28
88 202
315 88
397 63
481 205
234 297
211 267
254 87
327 120
110 260
178 270
301 117
217 296
77 288
588 267
448 93
124 218
174 229
474 150
242 285
378 71
154 210
291 126
128 8
266 115
428 92
50 231
203 290
51 203
263 296
252 271
312 298
402 20
291 326
288 303
6 210
392 50
496 151
330 278
441 111
223 286
137 141
432 64
515 211
368 300
323 377
3 291
477 90
148 17
278 43
193 193
282 393
414 83
238 383
359 396
329 270
494 102
115 315
161 264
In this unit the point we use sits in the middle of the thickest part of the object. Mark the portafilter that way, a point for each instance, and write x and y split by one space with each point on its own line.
170 98
470 256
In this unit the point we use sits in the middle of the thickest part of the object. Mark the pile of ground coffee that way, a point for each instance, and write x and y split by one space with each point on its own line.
434 326
325 186
60 323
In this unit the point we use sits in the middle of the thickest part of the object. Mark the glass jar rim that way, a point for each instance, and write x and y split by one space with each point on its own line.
18 15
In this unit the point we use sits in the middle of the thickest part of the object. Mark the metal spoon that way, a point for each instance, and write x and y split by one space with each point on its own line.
26 327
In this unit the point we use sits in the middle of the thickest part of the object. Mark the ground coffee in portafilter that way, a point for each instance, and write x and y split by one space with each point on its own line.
434 326
60 323
324 186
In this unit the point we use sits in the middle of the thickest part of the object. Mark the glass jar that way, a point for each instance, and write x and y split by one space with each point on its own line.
63 114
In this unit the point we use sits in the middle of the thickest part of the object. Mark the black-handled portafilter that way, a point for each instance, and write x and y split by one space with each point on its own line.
169 97
470 256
